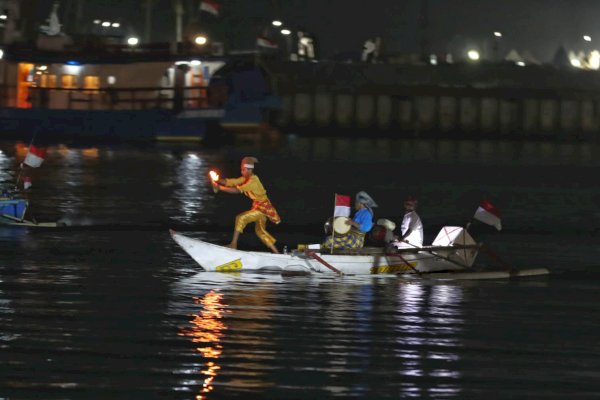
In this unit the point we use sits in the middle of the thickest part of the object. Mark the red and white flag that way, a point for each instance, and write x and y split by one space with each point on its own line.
35 156
488 214
210 6
262 41
342 206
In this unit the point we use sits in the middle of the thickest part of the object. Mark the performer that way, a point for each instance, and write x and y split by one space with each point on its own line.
411 228
250 185
360 225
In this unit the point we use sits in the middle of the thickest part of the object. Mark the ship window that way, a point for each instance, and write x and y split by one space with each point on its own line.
68 82
91 82
48 81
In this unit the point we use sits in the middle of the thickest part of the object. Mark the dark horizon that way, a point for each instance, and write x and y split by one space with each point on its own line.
537 26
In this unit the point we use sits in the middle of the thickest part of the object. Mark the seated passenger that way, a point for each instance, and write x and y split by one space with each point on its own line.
411 228
360 225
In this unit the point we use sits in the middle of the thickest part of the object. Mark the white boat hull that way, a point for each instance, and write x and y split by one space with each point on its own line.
217 258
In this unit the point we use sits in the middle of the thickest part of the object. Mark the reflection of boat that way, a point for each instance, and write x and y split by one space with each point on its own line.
13 210
430 261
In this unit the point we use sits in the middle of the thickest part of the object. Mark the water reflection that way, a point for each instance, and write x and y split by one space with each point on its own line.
207 329
428 324
193 184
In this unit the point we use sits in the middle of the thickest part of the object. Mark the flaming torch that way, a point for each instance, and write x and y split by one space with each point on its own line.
214 177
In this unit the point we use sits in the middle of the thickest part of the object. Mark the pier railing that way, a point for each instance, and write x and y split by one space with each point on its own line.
123 98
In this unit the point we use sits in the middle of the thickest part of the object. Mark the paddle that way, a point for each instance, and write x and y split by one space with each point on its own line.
314 255
439 255
404 261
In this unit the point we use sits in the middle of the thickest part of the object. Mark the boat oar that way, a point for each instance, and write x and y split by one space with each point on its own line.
438 255
314 255
403 260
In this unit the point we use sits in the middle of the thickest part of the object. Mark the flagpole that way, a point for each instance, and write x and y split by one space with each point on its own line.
332 223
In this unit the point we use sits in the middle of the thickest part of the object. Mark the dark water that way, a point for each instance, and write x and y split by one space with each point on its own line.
110 307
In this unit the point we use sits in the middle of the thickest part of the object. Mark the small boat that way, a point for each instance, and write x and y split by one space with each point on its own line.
13 210
451 256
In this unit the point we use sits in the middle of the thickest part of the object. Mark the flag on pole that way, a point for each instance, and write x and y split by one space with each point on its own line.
262 41
488 214
35 156
210 6
342 206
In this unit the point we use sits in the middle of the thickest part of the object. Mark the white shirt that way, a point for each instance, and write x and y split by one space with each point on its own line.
412 221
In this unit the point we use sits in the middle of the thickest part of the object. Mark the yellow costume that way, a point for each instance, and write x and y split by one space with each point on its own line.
260 211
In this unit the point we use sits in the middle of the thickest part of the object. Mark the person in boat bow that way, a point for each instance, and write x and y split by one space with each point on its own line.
361 224
411 228
262 209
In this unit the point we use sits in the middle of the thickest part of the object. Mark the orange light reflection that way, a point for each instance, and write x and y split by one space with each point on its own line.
207 327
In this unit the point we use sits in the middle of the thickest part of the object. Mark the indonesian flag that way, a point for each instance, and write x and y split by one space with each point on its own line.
488 214
342 206
35 156
262 41
210 6
26 182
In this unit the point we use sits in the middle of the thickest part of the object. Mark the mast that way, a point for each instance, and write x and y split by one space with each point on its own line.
424 29
178 20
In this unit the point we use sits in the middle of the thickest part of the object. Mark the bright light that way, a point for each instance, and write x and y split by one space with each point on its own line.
473 55
106 24
72 69
587 38
285 32
43 67
433 59
498 34
97 21
200 40
195 63
520 63
1 54
595 59
575 62
111 80
277 23
133 41
214 176
115 25
3 16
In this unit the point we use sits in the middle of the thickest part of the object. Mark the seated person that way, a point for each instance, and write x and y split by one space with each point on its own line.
360 225
411 228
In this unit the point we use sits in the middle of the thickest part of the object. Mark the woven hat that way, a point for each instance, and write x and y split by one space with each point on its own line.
363 198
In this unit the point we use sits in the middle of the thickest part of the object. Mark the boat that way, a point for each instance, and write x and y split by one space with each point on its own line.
452 252
13 211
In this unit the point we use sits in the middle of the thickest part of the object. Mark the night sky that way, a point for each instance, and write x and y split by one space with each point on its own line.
539 26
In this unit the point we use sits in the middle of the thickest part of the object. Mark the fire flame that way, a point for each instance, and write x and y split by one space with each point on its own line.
214 176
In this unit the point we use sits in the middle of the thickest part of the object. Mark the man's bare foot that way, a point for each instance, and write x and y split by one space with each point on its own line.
232 245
